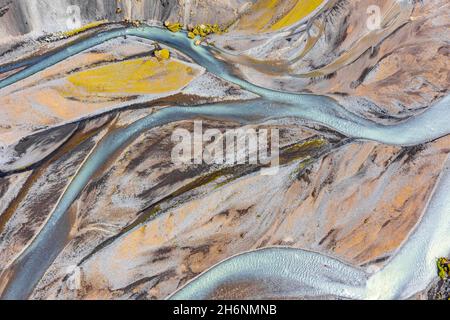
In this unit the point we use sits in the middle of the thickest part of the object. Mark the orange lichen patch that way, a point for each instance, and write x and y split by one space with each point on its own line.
138 76
272 15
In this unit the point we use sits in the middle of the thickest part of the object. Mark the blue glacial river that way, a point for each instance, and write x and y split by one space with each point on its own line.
396 280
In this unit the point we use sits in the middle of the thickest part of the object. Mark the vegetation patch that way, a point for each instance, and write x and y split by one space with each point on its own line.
174 27
163 54
443 266
199 31
440 289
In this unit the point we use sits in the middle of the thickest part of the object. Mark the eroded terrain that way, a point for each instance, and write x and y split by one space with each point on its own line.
93 207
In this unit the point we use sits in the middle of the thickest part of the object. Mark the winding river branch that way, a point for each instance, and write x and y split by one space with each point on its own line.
297 265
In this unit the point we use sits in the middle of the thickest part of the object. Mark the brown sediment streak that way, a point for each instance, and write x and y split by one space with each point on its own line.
113 126
4 10
269 67
75 140
5 278
148 213
268 16
8 213
8 273
393 20
317 147
175 99
275 67
10 73
310 43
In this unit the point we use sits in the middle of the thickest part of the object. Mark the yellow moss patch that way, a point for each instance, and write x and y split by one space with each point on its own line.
302 9
86 27
138 76
163 54
272 15
204 30
174 27
443 268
